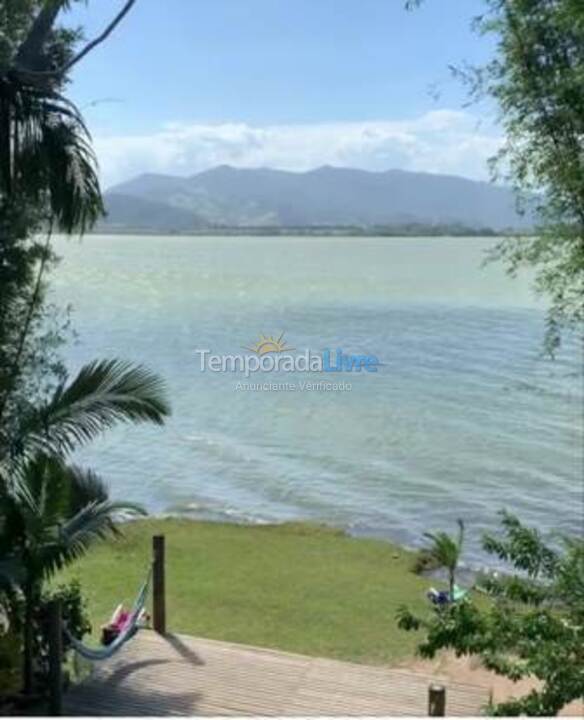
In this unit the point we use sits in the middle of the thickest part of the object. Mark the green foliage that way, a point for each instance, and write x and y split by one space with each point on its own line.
51 512
75 616
31 331
523 548
51 515
74 609
445 552
47 180
9 664
54 164
532 627
102 394
536 78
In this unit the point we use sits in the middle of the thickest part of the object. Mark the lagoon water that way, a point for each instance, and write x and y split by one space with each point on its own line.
463 418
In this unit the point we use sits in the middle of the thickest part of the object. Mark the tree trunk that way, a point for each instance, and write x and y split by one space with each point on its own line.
28 641
30 53
6 140
451 582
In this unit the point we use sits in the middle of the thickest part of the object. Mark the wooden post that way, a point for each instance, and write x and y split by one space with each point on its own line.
55 658
158 595
437 701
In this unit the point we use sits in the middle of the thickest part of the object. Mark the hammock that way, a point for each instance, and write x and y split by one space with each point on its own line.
103 653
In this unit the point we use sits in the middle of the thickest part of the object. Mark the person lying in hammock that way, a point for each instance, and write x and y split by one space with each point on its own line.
119 621
443 597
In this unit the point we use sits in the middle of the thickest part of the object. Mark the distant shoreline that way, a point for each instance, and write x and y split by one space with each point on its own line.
398 232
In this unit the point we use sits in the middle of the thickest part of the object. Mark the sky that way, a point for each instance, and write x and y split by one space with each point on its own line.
184 85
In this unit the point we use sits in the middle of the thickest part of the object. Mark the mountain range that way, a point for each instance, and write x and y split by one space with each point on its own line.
228 197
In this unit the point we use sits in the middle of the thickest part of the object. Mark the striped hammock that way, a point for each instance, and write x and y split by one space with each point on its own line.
103 653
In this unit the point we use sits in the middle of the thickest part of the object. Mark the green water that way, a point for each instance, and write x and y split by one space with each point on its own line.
463 418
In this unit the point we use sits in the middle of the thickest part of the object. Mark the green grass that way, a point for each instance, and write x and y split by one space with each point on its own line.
294 587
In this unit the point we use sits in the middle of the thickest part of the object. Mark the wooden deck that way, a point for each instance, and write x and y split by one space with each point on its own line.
181 675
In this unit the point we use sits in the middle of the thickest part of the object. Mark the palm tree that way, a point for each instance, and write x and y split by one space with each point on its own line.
57 512
48 178
446 552
48 170
51 511
45 149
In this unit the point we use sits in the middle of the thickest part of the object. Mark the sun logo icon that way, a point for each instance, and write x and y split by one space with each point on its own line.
269 344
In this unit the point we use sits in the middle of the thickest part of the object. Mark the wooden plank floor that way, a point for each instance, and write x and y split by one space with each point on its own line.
182 675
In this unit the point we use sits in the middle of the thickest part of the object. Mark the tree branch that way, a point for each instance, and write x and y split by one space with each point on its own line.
30 49
98 40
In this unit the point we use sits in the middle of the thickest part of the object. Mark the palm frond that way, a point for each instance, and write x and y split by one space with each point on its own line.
86 487
45 477
55 159
94 522
50 491
64 511
445 549
53 162
103 393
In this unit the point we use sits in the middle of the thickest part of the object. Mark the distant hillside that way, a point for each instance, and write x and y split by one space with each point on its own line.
327 196
125 213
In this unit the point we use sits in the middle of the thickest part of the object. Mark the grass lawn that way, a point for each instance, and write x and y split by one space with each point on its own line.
294 587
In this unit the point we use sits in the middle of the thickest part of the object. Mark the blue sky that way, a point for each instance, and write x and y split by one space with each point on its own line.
185 84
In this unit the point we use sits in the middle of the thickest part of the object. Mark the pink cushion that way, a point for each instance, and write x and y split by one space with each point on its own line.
122 621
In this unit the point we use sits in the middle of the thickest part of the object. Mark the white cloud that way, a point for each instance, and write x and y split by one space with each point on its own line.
445 141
